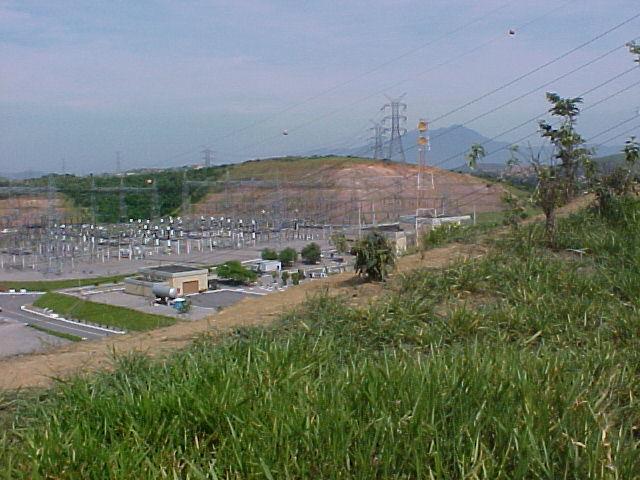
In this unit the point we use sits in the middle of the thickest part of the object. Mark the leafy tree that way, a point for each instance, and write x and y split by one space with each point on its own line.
340 242
634 48
311 253
476 153
295 278
618 183
269 254
568 144
285 277
557 178
234 271
288 256
375 256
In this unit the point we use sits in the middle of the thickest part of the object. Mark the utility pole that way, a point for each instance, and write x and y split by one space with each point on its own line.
207 155
186 200
378 132
398 119
93 199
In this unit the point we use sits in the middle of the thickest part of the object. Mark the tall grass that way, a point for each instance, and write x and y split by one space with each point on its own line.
521 364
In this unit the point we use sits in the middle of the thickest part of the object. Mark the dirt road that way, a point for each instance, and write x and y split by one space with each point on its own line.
39 370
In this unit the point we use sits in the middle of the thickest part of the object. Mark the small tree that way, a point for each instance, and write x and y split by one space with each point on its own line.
568 144
514 211
285 277
311 253
375 256
340 242
288 256
295 278
618 183
269 254
557 182
234 271
476 153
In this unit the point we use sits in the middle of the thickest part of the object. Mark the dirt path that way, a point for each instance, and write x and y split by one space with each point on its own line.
39 370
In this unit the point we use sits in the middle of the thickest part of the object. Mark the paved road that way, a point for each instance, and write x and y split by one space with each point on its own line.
11 311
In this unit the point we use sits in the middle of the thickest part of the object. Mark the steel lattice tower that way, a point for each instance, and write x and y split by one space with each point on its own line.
207 155
398 119
378 132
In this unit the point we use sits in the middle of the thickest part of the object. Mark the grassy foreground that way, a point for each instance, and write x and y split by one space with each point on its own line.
100 313
522 364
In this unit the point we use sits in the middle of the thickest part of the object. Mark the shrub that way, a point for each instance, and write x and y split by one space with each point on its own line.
234 271
285 277
288 256
340 242
311 253
269 254
374 256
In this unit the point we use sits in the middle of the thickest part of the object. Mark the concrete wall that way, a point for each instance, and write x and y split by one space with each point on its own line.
177 282
135 286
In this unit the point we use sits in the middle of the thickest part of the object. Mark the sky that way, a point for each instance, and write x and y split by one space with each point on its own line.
160 80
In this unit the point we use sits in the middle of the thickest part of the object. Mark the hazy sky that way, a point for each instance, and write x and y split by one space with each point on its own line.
157 80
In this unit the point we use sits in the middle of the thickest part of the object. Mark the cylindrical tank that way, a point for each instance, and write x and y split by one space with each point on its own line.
164 291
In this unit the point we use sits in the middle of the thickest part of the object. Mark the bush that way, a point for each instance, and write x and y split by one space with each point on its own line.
288 256
295 278
269 254
285 277
234 271
340 242
375 256
311 253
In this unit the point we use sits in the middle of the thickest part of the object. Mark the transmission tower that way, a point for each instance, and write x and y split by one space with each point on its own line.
186 200
398 119
123 201
118 163
207 155
155 200
93 199
378 133
51 191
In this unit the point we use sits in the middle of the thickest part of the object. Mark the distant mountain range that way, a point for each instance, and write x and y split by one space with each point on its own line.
23 175
449 147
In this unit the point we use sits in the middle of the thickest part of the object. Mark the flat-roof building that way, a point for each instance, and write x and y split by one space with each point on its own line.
185 279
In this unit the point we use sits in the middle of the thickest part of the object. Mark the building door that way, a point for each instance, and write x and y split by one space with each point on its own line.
190 287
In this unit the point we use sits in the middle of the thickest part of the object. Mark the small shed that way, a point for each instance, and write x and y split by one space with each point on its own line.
187 280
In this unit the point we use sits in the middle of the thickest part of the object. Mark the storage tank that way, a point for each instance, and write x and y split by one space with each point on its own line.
164 291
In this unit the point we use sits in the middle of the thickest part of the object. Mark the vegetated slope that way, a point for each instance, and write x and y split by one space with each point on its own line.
347 190
524 363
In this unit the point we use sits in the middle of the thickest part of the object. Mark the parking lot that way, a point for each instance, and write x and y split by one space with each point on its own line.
16 337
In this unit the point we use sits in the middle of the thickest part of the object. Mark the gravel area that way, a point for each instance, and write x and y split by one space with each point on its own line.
17 339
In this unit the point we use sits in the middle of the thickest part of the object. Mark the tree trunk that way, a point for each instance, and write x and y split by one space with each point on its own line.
550 227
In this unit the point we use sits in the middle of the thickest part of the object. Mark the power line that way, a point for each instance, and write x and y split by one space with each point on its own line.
528 121
533 90
396 84
538 68
359 76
